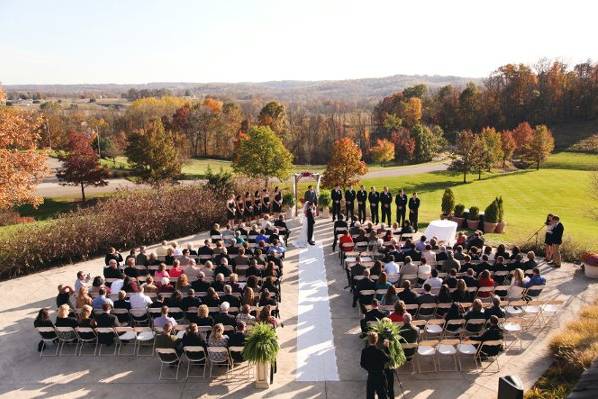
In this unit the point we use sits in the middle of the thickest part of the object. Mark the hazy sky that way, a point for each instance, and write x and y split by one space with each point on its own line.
125 41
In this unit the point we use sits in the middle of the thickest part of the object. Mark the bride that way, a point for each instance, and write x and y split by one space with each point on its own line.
301 240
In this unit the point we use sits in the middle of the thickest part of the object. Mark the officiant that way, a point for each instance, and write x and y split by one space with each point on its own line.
310 195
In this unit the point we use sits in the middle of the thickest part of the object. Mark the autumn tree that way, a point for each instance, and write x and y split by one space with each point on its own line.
262 155
153 152
508 146
492 146
404 145
428 142
345 165
522 135
22 164
383 151
273 115
81 166
468 153
540 146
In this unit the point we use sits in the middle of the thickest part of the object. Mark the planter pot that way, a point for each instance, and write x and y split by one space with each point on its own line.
472 224
262 375
325 212
590 271
500 227
489 227
590 264
458 220
444 216
291 212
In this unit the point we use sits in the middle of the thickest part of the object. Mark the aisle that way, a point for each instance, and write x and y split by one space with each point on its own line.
316 356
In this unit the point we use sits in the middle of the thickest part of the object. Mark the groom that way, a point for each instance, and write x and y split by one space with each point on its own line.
310 214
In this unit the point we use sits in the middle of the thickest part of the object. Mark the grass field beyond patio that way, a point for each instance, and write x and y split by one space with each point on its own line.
528 197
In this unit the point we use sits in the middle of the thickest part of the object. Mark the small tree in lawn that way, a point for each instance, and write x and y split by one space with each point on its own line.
153 152
345 165
508 146
261 154
383 151
540 146
468 153
81 166
448 202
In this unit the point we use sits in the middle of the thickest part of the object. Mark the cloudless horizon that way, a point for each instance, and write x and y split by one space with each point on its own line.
134 42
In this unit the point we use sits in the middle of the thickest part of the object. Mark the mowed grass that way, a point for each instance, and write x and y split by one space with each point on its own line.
572 160
528 197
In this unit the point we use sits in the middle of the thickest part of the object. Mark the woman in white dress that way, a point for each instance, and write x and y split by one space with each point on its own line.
301 240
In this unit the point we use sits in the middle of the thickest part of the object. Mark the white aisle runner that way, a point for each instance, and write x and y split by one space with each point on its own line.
316 357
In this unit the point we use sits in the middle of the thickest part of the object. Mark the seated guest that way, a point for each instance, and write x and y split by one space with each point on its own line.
366 283
218 339
228 296
535 279
149 286
459 255
461 294
237 339
495 309
502 251
429 255
158 301
190 301
466 264
434 281
83 298
266 298
176 270
169 258
410 334
43 320
248 298
183 284
200 285
476 240
444 294
223 268
164 318
391 296
450 263
205 250
493 333
141 258
441 254
427 296
218 283
517 286
485 280
421 244
488 252
166 340
112 270
245 315
376 269
371 315
461 239
107 320
451 279
99 301
139 300
203 316
153 260
390 266
514 252
382 284
212 299
223 317
407 228
530 263
162 250
424 271
470 279
346 243
122 303
83 280
130 269
340 227
253 269
409 268
407 295
516 264
161 272
398 315
475 312
454 313
113 254
85 320
64 318
64 295
192 337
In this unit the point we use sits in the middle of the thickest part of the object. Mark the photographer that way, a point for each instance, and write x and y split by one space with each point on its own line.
373 360
82 280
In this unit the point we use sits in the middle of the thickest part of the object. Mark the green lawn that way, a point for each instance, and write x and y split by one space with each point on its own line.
528 197
572 160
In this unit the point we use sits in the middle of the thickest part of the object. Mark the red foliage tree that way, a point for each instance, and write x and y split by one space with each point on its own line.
81 167
404 145
522 135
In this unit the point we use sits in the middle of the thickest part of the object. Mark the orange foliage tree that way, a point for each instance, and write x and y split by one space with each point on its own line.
540 146
345 165
383 151
523 135
22 164
508 145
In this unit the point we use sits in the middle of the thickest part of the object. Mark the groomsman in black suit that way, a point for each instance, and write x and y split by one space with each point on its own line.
401 201
414 203
350 195
386 201
362 196
337 196
311 220
374 198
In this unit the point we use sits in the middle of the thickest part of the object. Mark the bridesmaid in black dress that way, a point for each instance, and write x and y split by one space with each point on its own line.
257 204
248 206
231 209
277 203
265 201
240 208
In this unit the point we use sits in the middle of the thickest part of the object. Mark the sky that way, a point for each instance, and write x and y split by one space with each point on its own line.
141 41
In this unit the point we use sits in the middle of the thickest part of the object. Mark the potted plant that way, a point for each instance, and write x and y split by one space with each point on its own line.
500 227
288 200
458 214
386 329
324 201
491 217
448 203
473 218
590 264
261 348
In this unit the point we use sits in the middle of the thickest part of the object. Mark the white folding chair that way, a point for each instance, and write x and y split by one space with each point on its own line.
145 337
87 335
219 356
66 336
107 331
126 336
445 348
196 356
426 349
168 357
48 336
467 349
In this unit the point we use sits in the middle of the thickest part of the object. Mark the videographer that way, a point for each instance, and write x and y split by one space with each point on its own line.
373 360
82 280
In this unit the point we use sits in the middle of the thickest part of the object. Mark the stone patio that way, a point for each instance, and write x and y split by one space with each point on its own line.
24 375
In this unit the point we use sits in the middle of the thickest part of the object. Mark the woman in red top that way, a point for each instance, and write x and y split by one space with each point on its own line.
176 270
485 281
397 315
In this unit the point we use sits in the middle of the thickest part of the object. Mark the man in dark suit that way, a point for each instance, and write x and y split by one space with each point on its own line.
372 315
374 198
361 196
401 202
556 239
237 338
386 201
366 283
414 203
337 195
493 333
373 360
223 316
350 196
106 320
407 295
311 220
339 224
310 195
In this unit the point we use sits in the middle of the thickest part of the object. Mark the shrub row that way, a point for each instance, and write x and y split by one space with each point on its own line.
128 219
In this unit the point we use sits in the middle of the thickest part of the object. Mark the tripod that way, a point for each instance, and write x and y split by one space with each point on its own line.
402 395
535 234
